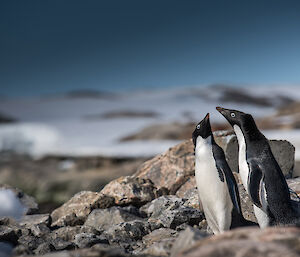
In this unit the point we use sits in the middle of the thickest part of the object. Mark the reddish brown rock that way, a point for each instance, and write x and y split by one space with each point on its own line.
75 211
171 169
132 190
273 241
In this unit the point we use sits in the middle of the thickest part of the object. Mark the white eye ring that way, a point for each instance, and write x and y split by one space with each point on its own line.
232 115
198 126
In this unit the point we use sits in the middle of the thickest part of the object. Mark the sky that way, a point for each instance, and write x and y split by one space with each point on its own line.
56 46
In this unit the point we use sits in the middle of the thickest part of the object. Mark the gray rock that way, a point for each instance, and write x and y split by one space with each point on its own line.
68 233
39 230
84 240
102 219
60 244
30 242
170 212
283 151
186 239
75 211
157 206
246 204
9 234
126 233
44 248
29 220
157 243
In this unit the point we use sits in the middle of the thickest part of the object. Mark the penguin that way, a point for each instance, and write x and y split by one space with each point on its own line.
217 188
260 172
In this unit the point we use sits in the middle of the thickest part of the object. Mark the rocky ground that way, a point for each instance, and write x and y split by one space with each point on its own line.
153 212
55 179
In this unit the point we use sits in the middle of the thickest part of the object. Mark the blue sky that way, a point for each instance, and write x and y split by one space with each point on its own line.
56 46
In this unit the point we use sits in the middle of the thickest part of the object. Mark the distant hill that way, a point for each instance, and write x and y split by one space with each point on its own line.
6 119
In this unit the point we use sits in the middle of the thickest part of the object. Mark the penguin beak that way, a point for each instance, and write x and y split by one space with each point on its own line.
223 111
206 118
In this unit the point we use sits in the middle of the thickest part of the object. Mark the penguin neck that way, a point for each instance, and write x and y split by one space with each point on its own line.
250 131
203 145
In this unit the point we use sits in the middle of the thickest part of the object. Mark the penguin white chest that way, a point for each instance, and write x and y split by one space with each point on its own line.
243 166
260 215
213 193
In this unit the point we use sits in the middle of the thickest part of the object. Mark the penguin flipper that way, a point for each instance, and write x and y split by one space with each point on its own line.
234 194
254 183
232 187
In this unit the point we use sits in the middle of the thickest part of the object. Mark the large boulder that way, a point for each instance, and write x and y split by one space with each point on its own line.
283 151
273 241
171 169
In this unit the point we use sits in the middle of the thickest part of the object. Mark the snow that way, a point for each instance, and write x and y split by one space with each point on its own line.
10 206
61 126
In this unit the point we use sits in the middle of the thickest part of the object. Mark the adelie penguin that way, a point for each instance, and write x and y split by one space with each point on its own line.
217 188
260 172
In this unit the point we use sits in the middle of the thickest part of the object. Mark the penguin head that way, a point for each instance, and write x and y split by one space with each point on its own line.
235 117
202 129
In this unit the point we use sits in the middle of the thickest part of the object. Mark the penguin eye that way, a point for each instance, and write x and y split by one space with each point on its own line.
198 126
232 115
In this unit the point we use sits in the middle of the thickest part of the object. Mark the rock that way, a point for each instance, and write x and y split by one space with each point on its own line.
102 219
161 248
171 169
158 242
283 151
60 244
157 206
27 201
68 233
9 234
44 248
131 190
125 234
186 239
189 191
30 243
158 235
85 240
98 250
29 220
75 211
39 230
170 212
272 241
246 204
